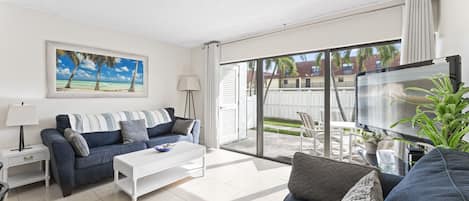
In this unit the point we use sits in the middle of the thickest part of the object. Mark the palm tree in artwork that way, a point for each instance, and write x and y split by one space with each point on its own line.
100 61
282 65
134 77
76 62
338 59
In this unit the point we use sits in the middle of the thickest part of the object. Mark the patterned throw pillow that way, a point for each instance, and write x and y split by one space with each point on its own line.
134 131
77 141
368 188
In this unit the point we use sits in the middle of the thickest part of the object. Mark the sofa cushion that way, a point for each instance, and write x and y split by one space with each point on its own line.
113 137
105 154
170 111
290 198
93 139
103 138
161 129
441 174
169 138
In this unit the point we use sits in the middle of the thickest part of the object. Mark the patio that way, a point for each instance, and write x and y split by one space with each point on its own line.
282 146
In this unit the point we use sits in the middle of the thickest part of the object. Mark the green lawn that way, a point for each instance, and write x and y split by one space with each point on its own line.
281 131
284 123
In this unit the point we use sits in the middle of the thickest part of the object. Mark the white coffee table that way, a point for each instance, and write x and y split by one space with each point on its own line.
148 170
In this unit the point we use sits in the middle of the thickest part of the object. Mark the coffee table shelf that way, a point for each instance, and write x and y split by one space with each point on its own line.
150 183
148 170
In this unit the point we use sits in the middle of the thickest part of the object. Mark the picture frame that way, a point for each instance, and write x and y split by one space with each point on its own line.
77 71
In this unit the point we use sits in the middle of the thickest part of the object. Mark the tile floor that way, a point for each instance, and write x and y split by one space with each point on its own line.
230 176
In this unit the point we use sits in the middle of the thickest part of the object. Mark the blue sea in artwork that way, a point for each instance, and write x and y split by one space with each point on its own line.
91 72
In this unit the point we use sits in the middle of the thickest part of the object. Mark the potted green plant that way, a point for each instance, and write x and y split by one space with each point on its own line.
444 118
371 141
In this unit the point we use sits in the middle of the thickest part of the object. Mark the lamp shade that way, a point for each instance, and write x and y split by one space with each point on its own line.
22 115
189 83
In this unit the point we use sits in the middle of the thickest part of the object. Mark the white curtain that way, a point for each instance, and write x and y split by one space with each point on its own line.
418 34
212 55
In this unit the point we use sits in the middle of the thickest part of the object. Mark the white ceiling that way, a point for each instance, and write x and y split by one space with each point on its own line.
192 22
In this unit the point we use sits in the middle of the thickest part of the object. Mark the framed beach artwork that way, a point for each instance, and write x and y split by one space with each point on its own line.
75 71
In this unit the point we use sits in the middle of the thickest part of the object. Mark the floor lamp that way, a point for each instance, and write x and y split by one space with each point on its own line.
189 84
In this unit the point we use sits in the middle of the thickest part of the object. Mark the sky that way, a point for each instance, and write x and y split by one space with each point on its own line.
122 71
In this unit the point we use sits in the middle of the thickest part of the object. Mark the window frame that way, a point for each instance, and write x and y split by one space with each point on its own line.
327 90
307 82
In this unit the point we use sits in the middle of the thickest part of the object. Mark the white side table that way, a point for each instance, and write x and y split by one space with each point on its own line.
10 159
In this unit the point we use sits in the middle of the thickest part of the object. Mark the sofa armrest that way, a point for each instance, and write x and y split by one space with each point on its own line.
62 158
195 130
318 178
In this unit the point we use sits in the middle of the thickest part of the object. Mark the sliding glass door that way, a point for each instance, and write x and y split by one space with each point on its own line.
293 85
346 63
273 107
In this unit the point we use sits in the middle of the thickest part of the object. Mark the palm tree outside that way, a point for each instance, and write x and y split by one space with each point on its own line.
252 70
338 59
282 66
387 54
363 55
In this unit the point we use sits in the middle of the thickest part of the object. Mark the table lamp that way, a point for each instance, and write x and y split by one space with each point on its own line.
189 84
21 115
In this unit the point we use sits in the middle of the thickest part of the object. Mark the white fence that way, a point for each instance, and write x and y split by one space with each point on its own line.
285 103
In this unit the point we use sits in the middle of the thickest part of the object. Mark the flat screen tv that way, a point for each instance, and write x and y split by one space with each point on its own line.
382 98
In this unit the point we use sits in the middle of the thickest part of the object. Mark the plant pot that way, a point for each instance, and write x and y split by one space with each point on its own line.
371 147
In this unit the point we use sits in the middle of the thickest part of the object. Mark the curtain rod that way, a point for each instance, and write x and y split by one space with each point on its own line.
366 10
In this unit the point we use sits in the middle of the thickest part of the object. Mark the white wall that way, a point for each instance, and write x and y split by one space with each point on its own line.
453 32
23 72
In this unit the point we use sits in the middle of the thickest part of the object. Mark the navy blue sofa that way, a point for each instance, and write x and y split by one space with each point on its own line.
70 170
441 174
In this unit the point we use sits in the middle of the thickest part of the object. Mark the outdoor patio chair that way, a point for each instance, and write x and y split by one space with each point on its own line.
313 129
3 187
309 129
